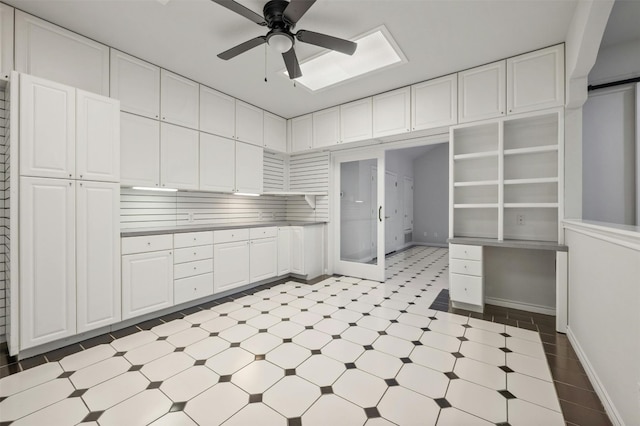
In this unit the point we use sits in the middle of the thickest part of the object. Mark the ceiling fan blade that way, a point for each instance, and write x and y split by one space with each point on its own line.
327 41
241 10
296 9
242 47
291 61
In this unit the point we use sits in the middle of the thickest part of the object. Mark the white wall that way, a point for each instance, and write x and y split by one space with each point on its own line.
616 62
431 196
400 163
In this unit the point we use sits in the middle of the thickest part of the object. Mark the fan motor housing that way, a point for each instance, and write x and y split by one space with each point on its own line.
274 14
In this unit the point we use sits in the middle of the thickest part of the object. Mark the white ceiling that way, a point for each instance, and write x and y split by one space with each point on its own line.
438 37
624 23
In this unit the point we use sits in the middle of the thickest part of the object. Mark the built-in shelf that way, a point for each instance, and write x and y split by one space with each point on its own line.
473 155
476 183
531 205
531 150
476 206
310 197
530 181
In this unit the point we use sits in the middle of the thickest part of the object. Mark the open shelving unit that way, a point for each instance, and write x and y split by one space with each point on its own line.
506 178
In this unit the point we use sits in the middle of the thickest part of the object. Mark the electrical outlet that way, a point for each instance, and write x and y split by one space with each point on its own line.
190 217
520 219
260 215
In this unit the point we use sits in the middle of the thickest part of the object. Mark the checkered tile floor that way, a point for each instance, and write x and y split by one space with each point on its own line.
343 351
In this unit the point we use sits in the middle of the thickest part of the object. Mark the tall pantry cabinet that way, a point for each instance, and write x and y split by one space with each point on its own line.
69 195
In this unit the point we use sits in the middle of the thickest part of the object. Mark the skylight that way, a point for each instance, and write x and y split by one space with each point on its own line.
376 50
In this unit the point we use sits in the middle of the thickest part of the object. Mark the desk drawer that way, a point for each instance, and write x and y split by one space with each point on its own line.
467 267
193 253
461 251
190 269
466 289
192 239
192 288
265 232
230 235
133 245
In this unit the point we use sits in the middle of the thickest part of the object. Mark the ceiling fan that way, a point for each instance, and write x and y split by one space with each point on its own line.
281 16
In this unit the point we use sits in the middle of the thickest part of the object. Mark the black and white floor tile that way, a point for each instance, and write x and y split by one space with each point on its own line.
343 351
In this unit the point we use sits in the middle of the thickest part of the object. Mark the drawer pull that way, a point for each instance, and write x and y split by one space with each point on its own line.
194 268
195 239
148 244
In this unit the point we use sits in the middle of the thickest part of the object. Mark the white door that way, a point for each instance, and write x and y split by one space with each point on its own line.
249 124
97 138
147 283
407 191
136 84
263 259
179 157
139 151
481 92
284 250
179 100
359 215
47 128
98 254
392 204
230 265
275 132
249 168
217 163
47 260
217 113
297 250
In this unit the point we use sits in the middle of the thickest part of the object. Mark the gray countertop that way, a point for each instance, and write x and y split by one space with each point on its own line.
179 229
521 244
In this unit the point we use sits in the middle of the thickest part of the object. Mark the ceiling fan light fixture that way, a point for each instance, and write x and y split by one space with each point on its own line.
280 42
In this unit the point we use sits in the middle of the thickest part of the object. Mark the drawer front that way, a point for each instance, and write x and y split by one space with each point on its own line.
461 251
467 267
193 253
230 235
266 232
192 239
133 245
192 288
466 289
190 269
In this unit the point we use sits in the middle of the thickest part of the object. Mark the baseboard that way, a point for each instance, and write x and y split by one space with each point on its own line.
609 407
521 306
429 244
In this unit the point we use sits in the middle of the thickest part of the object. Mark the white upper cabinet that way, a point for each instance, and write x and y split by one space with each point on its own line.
481 92
217 163
356 121
48 51
275 132
180 100
139 151
136 84
249 124
217 113
391 113
47 128
97 138
326 127
434 103
6 40
535 80
179 157
301 133
249 168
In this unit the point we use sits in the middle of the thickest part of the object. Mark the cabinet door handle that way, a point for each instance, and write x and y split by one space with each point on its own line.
380 213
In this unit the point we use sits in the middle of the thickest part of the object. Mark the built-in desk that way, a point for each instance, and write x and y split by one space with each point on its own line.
468 263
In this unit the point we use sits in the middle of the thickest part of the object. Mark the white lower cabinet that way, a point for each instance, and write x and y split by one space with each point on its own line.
307 250
230 265
466 278
193 266
191 288
284 250
147 282
263 259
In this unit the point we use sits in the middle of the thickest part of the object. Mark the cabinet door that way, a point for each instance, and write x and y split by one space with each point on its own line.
263 259
391 113
136 84
535 80
47 128
217 113
301 133
249 168
434 103
139 151
180 100
275 132
481 92
217 163
6 40
230 265
47 260
179 157
147 283
49 51
249 124
326 127
97 138
407 192
355 121
297 250
284 250
98 254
